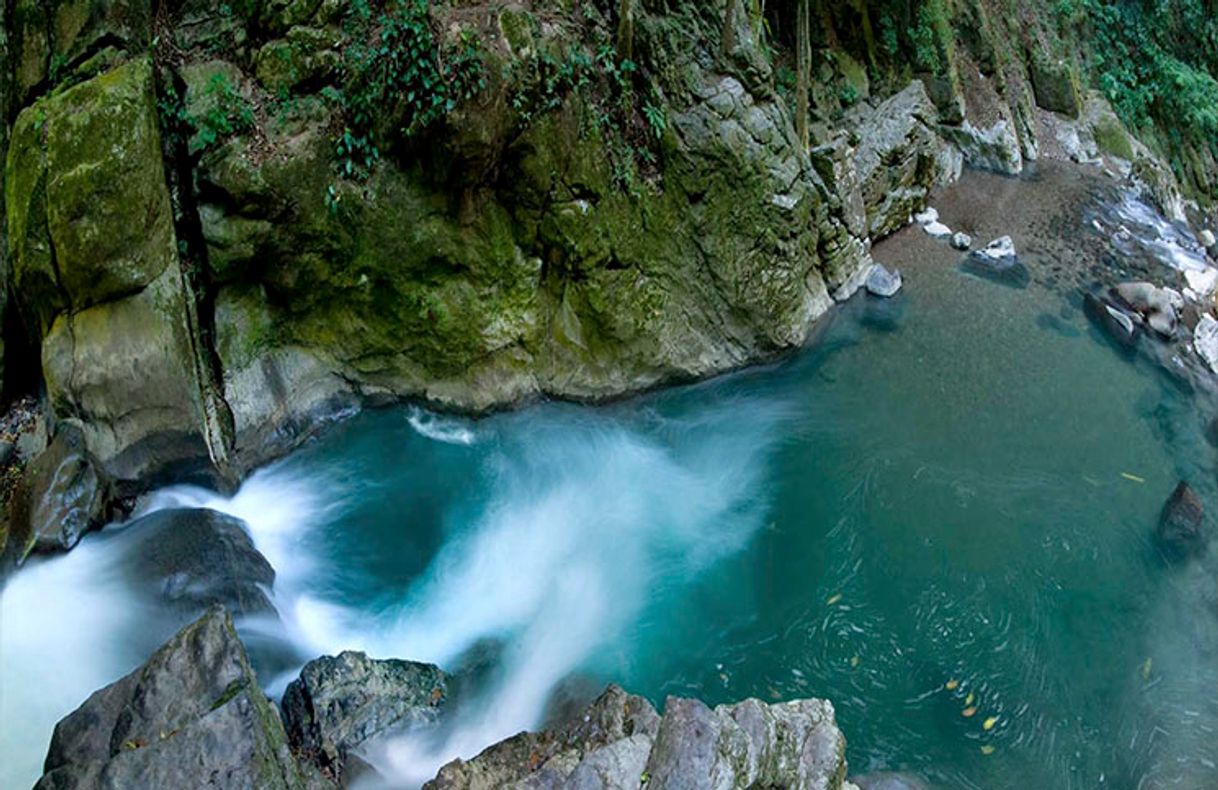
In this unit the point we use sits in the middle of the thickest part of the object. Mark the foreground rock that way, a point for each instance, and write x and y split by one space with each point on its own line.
1181 530
1205 341
195 558
883 283
621 742
191 716
340 702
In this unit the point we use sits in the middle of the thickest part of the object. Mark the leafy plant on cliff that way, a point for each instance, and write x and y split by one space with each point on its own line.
227 113
393 64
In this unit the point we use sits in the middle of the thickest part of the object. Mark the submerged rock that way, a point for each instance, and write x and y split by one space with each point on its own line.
998 262
889 780
1181 530
196 558
1114 322
620 742
881 282
191 716
340 702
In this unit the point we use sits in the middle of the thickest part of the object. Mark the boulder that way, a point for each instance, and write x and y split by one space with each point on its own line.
191 716
927 216
1181 530
620 742
1158 306
194 558
1122 327
881 282
64 495
1205 341
937 230
962 241
998 262
1056 84
340 702
1207 239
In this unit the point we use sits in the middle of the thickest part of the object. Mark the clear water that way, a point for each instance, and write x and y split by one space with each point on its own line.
958 485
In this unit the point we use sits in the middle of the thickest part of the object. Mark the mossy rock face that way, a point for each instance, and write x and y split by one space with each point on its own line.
125 370
306 55
88 209
31 46
107 204
1056 84
35 279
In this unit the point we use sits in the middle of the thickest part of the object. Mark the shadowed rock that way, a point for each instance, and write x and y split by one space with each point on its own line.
997 262
191 716
1121 327
1181 530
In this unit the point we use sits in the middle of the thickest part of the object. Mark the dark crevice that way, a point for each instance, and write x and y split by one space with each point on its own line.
196 274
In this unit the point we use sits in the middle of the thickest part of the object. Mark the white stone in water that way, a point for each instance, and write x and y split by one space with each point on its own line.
882 282
938 230
1202 281
927 216
962 241
1207 238
1205 341
998 249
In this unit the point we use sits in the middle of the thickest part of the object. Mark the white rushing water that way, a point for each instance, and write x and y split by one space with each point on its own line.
583 518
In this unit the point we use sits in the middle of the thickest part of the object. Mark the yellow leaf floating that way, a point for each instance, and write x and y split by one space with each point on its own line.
952 684
833 599
987 749
969 699
854 661
968 712
1146 669
1134 478
989 723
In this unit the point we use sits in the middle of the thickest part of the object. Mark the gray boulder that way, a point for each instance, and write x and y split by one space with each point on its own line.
620 742
340 702
1157 306
883 283
191 716
1181 530
195 558
64 495
900 157
1205 341
995 148
962 241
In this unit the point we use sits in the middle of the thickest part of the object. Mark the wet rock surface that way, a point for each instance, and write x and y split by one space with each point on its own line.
340 702
621 742
191 716
196 558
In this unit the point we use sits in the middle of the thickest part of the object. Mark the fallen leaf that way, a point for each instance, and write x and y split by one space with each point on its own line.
968 712
833 599
1134 478
969 699
987 749
989 723
952 684
1146 669
854 661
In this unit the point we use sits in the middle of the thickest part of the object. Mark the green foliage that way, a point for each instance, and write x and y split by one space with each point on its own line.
227 113
392 60
656 118
848 96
